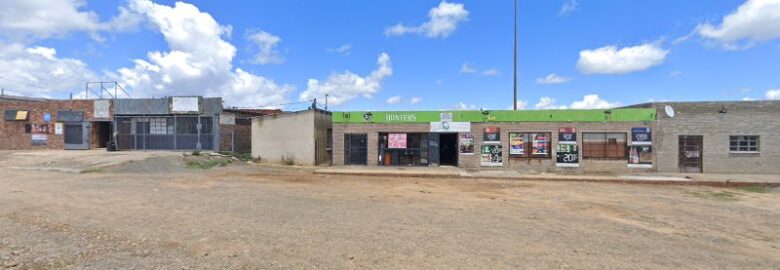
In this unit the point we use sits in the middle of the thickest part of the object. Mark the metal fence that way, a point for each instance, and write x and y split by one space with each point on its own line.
165 133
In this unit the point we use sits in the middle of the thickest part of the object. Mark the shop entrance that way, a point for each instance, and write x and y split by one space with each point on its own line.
103 130
690 154
448 149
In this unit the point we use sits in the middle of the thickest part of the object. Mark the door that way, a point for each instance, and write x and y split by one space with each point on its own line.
690 154
76 135
433 149
448 149
355 149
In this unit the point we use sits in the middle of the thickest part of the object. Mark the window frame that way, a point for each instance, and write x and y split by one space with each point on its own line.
528 144
747 139
586 153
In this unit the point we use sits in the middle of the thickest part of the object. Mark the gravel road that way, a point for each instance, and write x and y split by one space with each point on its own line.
252 217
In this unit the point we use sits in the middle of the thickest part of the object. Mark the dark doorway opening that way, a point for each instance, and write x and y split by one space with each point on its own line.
103 132
448 149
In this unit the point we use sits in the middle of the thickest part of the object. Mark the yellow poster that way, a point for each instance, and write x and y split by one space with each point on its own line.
21 115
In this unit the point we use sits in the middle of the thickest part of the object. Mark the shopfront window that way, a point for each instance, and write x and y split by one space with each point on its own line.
530 144
604 145
403 149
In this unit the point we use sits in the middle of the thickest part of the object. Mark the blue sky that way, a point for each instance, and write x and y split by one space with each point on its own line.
396 55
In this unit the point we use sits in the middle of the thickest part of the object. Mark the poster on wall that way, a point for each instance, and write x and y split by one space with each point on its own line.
39 139
492 135
641 136
58 128
567 155
492 156
39 129
539 144
466 144
47 117
567 136
101 108
185 104
516 144
438 127
640 156
396 140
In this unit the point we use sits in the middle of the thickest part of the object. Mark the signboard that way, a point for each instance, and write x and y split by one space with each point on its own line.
185 105
400 117
557 116
567 155
21 115
491 156
641 136
640 156
445 117
57 128
539 144
396 141
466 144
47 117
101 108
492 135
450 127
70 116
567 136
227 118
39 139
516 144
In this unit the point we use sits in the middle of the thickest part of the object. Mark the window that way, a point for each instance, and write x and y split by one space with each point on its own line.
403 149
530 145
604 145
160 126
743 144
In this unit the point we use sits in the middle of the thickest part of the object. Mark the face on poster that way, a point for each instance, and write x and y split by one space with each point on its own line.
396 140
540 142
492 135
516 144
466 144
492 155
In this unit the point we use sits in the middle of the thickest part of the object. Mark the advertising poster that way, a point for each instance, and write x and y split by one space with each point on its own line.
640 156
39 139
491 156
466 144
47 117
396 140
492 135
567 136
101 108
39 129
567 155
58 128
539 144
641 136
516 144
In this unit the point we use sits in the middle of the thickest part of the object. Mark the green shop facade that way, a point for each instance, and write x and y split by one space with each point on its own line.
611 140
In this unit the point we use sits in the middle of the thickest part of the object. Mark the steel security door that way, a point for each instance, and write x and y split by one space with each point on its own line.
690 154
76 135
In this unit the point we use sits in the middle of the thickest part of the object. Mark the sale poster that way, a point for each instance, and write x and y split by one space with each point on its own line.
466 144
516 144
567 155
539 144
491 135
396 141
491 156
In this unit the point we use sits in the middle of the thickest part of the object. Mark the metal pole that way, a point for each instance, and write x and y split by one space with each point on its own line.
515 58
326 102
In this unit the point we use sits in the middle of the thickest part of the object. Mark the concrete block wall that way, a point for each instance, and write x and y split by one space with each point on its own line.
511 163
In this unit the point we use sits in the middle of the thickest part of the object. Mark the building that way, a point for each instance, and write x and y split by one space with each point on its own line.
717 137
235 127
615 140
300 138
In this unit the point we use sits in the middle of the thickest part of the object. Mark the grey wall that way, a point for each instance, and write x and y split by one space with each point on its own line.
141 106
760 118
290 134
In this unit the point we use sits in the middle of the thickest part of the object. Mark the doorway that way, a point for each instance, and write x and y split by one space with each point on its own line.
690 154
76 135
103 132
448 149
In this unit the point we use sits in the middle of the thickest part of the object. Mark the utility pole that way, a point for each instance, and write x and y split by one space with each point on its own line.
326 102
514 101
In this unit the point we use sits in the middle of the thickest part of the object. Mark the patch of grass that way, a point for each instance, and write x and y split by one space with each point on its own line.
755 189
94 170
208 164
196 153
719 196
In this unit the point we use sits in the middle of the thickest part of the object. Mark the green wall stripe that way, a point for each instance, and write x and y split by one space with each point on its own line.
389 117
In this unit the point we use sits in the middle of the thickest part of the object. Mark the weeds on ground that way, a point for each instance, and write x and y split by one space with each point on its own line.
208 164
196 153
288 160
93 170
755 189
719 196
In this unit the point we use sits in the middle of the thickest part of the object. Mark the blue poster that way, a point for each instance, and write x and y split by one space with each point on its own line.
47 117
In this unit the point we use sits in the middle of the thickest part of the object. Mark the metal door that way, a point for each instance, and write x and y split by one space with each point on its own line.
690 154
355 149
433 149
76 135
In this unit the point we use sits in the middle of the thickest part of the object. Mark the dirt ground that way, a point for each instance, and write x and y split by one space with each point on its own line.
146 215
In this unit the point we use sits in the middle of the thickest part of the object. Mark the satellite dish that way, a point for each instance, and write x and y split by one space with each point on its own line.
669 111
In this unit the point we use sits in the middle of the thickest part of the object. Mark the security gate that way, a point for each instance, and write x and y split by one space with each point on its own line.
355 149
76 135
690 154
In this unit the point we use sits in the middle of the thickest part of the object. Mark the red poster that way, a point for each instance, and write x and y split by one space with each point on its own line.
396 140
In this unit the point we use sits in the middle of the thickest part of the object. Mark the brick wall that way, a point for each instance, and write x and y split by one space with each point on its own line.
513 163
12 133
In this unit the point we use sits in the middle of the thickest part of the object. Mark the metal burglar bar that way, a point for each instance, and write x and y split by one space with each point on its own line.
355 149
164 133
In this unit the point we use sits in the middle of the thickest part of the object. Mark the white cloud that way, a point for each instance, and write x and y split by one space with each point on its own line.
415 100
266 45
614 60
443 21
37 71
343 50
588 102
394 100
345 86
773 94
24 19
467 68
748 99
754 21
553 78
464 107
568 7
521 105
199 61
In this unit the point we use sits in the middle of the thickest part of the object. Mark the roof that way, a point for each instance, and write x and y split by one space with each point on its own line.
254 112
596 115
